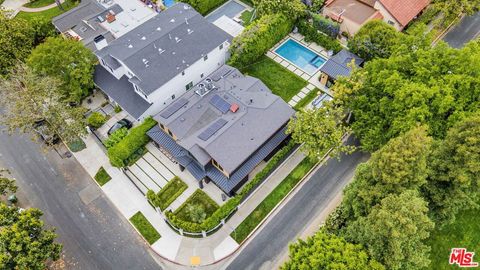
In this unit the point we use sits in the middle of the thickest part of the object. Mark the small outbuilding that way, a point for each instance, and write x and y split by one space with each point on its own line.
338 65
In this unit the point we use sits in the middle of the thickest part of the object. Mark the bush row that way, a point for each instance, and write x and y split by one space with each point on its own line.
327 26
131 144
168 193
204 6
116 137
312 34
258 38
223 211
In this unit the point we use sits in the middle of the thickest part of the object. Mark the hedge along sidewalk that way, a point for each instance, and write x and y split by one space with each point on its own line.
144 227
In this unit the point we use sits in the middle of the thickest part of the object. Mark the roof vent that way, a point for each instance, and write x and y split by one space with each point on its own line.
201 91
130 46
189 31
186 7
144 38
159 29
209 83
145 61
160 50
177 39
172 20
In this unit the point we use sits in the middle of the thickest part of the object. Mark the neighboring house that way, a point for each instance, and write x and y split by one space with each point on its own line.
338 65
222 129
147 68
110 18
353 14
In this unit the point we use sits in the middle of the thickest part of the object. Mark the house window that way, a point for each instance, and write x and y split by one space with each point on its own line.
162 126
221 46
205 58
173 96
391 23
170 133
215 163
201 75
189 86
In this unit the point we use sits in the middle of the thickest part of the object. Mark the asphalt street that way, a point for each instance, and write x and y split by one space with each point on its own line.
310 200
466 30
93 232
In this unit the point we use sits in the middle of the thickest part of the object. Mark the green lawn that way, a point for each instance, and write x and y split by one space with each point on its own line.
145 227
102 177
463 233
307 99
197 198
262 210
280 80
39 3
47 14
170 192
246 16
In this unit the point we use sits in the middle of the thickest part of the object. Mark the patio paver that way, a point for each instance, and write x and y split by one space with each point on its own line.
305 76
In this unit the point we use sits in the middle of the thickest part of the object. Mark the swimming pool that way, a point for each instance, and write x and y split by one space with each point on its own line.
300 56
168 3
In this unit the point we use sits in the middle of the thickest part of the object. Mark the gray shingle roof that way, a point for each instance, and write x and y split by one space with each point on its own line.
182 36
121 91
260 115
338 64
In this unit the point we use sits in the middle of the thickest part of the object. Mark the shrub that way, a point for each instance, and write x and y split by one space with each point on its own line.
132 143
117 109
116 137
326 26
168 193
145 228
102 177
258 38
204 6
96 120
312 34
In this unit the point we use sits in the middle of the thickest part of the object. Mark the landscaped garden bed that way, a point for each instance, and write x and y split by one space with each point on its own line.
280 80
307 99
145 228
198 207
102 177
262 210
168 193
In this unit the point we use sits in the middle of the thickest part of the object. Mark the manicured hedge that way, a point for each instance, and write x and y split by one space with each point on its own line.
145 227
312 34
131 144
258 38
204 6
327 26
221 213
168 193
116 137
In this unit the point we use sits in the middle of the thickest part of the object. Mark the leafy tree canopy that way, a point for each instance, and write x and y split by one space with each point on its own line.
29 98
395 230
328 251
451 8
69 61
292 8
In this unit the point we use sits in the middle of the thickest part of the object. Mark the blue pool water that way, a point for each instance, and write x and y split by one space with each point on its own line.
300 56
168 3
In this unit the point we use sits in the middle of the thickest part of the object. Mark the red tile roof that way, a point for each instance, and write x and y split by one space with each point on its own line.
405 10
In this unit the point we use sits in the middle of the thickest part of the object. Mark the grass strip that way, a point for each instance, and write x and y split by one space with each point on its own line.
102 177
39 3
169 193
145 227
307 99
262 210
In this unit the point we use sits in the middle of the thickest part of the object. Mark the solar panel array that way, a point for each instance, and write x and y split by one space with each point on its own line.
174 108
212 129
220 103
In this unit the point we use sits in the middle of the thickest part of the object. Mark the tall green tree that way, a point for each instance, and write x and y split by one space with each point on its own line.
292 8
320 130
328 251
29 98
451 8
69 61
395 230
454 178
16 41
375 39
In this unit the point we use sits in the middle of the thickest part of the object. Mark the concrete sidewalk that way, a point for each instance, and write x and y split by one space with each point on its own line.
172 246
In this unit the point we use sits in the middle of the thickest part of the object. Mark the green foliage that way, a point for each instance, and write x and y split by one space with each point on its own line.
433 86
169 193
280 81
291 9
375 39
39 3
76 145
319 130
96 120
325 25
274 198
145 227
196 212
7 185
246 17
312 34
451 8
196 208
116 137
69 61
49 13
328 251
28 98
16 41
258 38
316 6
132 143
102 177
454 179
117 109
307 99
26 244
204 6
395 230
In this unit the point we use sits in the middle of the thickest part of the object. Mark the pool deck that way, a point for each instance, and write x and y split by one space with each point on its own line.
313 81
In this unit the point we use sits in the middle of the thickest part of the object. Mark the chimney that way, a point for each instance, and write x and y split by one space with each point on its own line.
100 42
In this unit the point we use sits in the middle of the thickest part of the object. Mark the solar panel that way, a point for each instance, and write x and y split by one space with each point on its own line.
212 129
174 108
220 103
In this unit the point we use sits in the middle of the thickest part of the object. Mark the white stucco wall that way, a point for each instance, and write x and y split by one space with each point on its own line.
387 17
